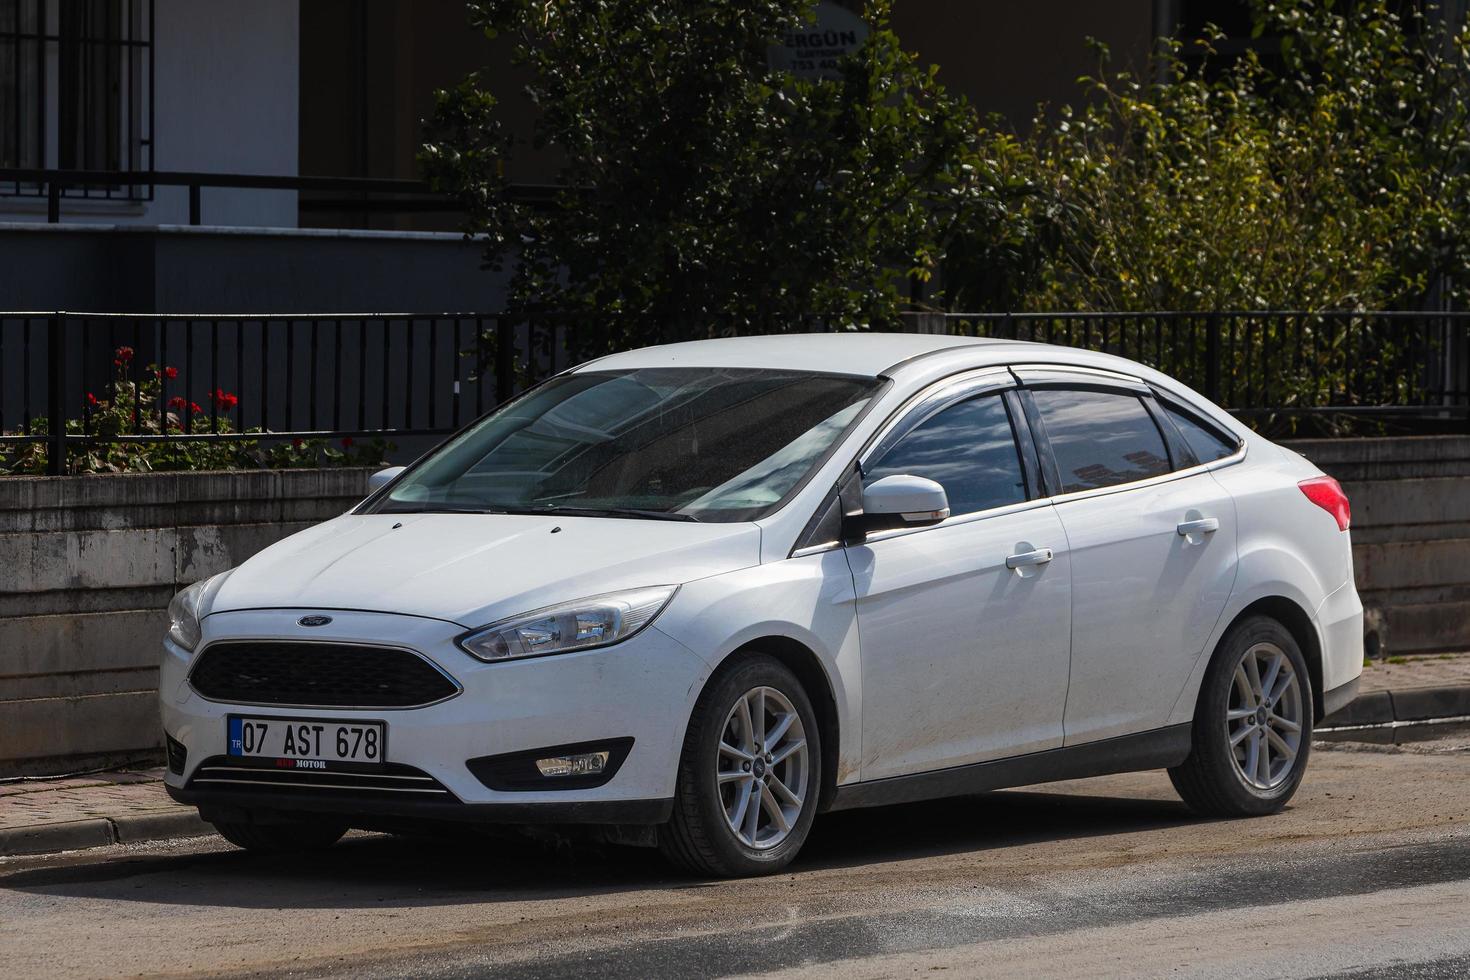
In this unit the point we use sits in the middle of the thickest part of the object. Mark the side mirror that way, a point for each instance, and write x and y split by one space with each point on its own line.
902 501
382 478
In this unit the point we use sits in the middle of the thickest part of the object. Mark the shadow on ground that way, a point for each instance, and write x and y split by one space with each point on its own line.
459 866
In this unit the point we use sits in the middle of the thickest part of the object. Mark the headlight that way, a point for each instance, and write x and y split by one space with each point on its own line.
187 608
580 625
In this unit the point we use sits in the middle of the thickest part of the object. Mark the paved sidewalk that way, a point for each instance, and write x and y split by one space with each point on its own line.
43 816
1410 689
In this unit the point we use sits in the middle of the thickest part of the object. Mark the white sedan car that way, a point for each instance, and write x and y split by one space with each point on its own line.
695 595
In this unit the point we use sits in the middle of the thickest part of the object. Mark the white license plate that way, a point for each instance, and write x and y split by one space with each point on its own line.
308 740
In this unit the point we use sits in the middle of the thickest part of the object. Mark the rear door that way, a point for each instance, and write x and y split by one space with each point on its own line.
963 625
1153 547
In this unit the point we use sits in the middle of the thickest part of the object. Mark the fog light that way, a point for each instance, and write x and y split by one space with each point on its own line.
582 764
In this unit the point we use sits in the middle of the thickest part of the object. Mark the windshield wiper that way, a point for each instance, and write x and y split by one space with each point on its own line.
437 509
656 515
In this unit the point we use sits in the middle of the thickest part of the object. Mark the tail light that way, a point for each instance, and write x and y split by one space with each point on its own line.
1327 493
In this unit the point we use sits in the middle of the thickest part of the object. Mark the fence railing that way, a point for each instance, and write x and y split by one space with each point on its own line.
1275 366
422 376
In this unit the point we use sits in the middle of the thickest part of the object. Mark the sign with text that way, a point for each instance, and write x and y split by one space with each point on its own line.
813 50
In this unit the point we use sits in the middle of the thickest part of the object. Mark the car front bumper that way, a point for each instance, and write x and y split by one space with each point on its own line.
640 690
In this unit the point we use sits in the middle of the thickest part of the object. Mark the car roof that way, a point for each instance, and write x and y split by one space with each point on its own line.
847 352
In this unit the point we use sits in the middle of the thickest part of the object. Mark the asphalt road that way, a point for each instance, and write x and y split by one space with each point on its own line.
1367 875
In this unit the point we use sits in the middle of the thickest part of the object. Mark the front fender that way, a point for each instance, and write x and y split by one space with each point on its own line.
808 600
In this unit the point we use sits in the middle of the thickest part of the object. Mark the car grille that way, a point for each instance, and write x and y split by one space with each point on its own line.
318 675
224 773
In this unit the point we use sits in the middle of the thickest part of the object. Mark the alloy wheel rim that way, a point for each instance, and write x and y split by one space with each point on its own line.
1263 717
763 770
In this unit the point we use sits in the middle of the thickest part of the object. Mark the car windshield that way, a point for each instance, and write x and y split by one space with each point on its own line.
703 444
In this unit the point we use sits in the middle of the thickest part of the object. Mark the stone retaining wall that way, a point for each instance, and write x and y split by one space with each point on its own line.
87 567
88 564
1411 533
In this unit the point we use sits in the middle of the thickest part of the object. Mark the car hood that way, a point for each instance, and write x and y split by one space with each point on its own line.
474 569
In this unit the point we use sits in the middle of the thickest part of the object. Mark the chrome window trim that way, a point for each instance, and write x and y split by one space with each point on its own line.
972 517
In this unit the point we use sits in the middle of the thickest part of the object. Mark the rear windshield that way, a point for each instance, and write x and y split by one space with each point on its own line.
699 444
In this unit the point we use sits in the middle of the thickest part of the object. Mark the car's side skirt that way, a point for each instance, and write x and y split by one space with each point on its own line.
1157 749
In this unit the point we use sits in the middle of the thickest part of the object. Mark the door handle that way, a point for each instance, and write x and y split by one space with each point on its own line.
1205 525
1038 557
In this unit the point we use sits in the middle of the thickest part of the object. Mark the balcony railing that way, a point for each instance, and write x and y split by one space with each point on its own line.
329 194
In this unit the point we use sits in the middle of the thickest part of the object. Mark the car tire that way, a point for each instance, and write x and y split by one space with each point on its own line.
716 770
280 838
1238 765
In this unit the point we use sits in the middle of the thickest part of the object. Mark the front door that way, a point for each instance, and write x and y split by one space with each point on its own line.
964 626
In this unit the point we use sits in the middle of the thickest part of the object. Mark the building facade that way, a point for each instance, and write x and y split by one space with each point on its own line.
140 89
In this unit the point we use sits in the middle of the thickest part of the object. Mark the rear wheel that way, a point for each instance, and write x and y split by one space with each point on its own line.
279 838
749 774
1252 727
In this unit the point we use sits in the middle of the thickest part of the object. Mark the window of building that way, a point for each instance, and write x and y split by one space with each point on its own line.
968 448
76 92
1100 438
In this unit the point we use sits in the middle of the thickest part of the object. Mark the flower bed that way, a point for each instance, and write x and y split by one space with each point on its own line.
136 409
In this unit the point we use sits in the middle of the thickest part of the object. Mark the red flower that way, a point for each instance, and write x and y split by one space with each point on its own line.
297 443
177 404
224 399
91 399
346 442
194 407
168 372
123 355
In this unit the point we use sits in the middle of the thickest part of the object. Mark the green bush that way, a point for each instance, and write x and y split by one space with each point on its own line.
700 191
1335 179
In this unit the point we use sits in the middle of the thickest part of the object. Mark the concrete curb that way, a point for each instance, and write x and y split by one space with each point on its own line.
1408 704
75 835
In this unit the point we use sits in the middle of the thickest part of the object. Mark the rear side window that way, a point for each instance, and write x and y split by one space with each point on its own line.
1100 438
967 448
1206 444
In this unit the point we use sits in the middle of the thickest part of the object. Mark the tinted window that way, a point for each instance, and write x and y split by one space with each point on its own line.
968 449
1100 438
695 443
1207 444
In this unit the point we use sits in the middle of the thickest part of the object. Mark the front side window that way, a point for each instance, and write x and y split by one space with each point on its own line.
967 448
702 444
1100 438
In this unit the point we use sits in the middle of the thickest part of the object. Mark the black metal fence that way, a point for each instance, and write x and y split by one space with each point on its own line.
1277 369
411 377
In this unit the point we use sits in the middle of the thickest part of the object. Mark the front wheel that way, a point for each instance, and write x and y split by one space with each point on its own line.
749 774
1252 726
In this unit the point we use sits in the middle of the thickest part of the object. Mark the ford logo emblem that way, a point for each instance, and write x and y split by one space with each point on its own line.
313 620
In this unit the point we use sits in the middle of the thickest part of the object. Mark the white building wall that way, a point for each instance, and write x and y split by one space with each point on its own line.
226 100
